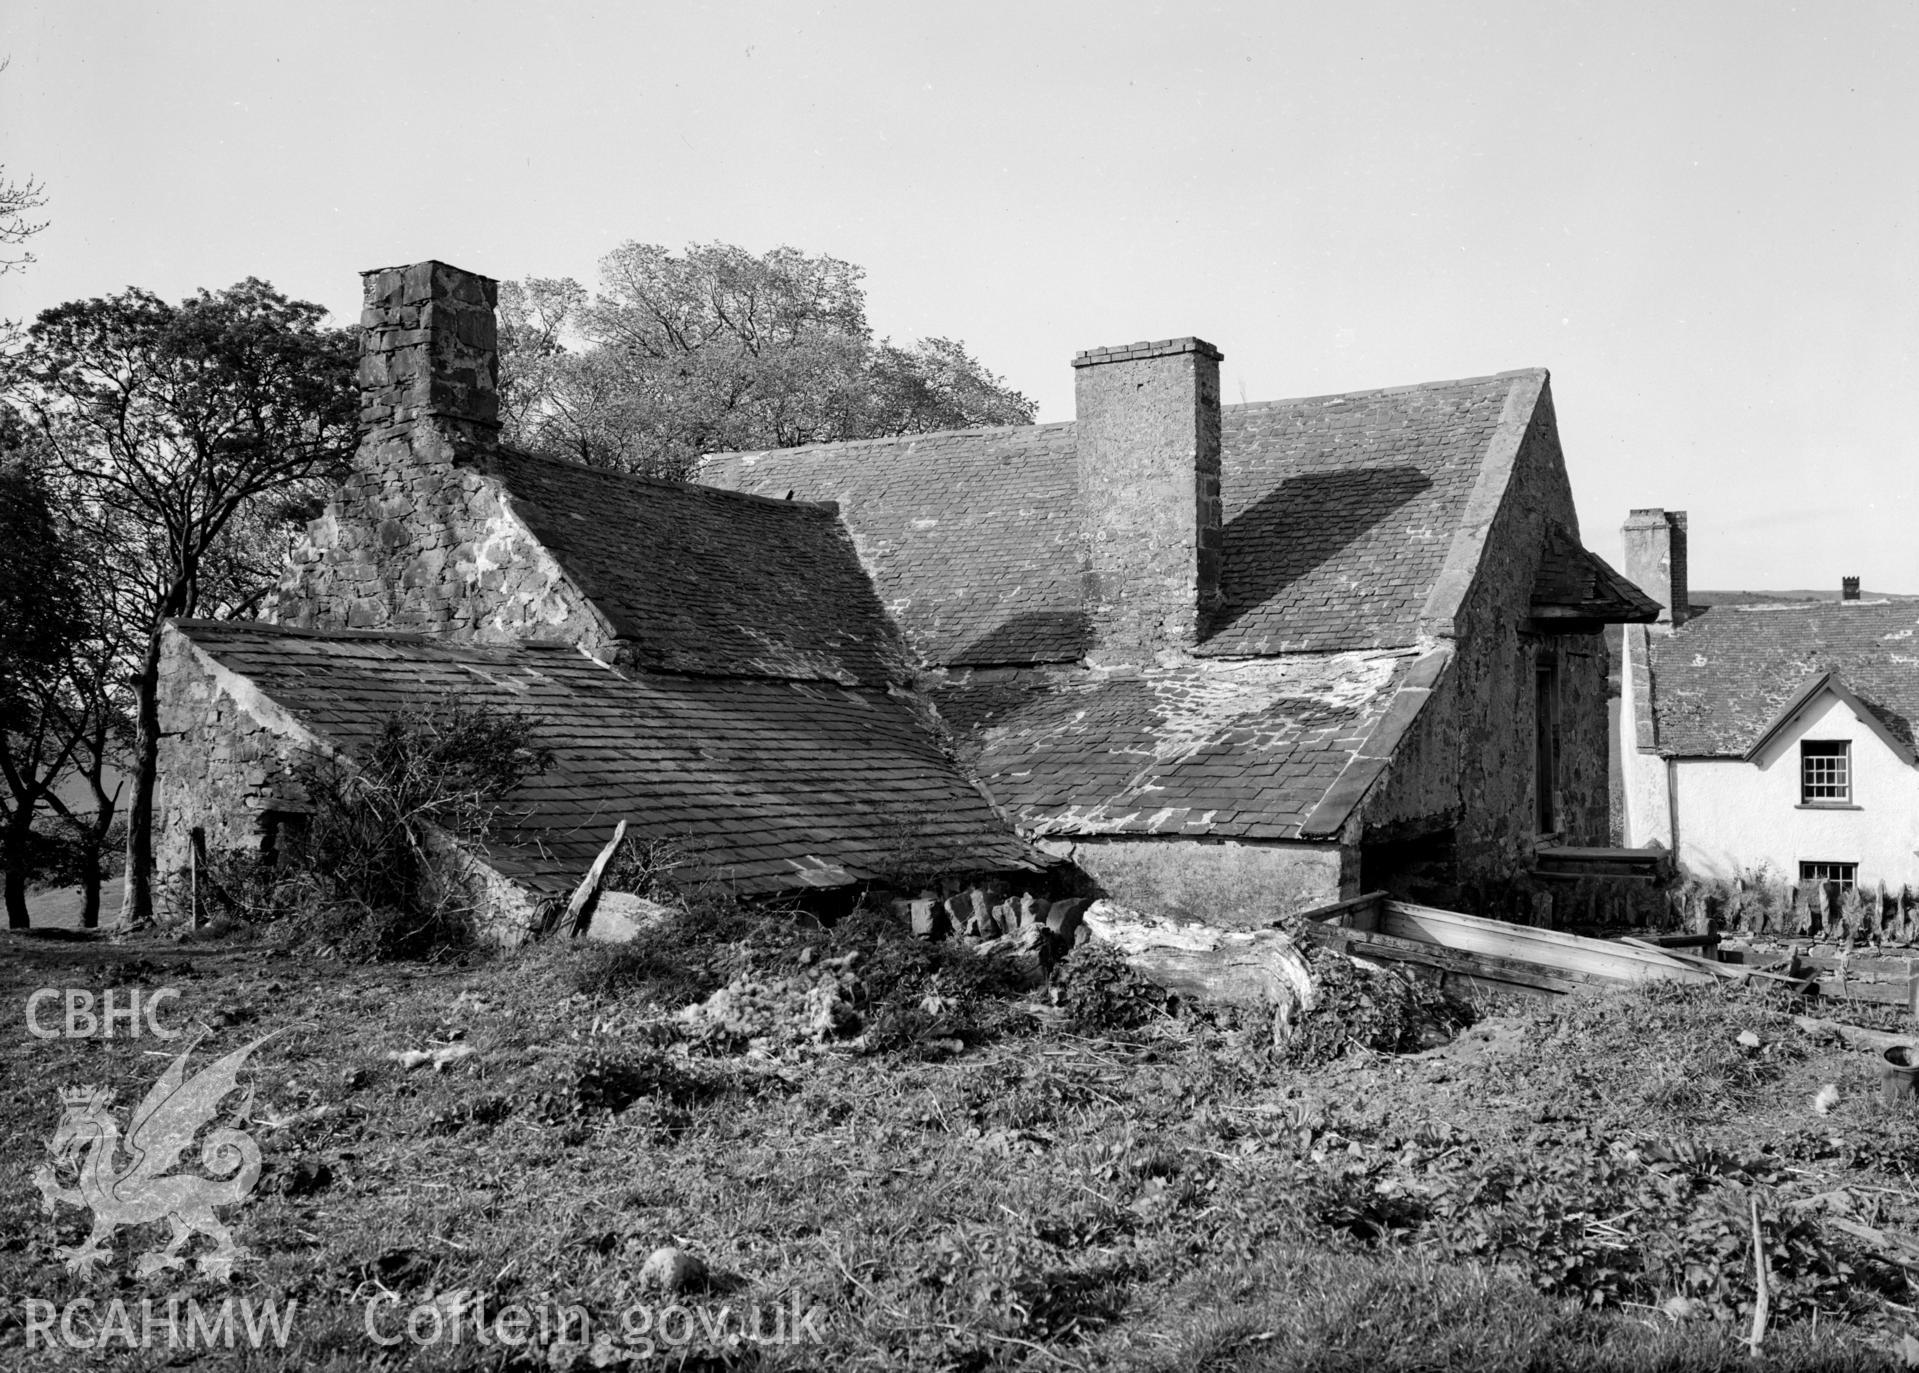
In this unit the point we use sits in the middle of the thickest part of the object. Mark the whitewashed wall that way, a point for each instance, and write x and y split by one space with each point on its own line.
1735 814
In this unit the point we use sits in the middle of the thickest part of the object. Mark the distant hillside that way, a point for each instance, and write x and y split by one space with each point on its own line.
1702 599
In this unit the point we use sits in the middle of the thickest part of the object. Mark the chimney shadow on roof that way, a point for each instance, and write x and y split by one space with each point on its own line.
1039 636
1302 523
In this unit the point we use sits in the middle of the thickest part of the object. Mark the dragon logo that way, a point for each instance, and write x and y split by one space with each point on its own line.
142 1191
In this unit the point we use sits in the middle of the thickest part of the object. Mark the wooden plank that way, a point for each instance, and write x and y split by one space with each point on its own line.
1726 972
1557 952
1864 968
1611 872
1574 851
1858 1036
1358 912
1877 993
1485 967
1897 1248
578 910
1682 941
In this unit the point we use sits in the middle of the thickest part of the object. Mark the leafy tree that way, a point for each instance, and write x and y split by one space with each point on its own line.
40 620
716 349
178 436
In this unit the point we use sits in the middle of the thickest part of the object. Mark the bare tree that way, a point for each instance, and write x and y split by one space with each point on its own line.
18 201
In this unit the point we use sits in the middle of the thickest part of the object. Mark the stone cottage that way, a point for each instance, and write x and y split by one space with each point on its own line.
1263 655
711 667
1778 736
1266 654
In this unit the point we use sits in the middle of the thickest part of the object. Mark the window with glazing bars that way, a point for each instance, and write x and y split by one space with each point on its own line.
1825 771
1845 874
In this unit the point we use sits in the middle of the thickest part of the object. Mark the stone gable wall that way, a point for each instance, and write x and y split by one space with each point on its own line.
1469 764
222 767
417 541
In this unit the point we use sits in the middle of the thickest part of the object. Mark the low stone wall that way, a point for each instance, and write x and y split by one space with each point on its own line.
1225 883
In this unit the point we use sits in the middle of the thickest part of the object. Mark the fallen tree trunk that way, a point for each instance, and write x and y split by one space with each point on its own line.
1208 964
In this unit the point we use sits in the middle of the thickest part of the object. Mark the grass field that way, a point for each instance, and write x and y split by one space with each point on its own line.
890 1155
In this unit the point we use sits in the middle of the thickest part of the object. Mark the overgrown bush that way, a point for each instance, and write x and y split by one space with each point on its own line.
681 960
922 997
363 873
646 867
1100 991
1374 1009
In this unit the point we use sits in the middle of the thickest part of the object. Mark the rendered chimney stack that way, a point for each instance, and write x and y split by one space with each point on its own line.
1848 588
1148 446
1656 560
430 351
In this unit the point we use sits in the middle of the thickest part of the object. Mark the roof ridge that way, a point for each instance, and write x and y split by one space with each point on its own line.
268 627
977 429
615 474
1770 607
1515 374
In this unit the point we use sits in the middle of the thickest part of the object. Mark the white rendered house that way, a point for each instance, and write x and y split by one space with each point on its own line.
1775 736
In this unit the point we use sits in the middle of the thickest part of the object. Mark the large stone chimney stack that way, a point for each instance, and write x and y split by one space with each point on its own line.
416 539
430 351
1656 560
1148 443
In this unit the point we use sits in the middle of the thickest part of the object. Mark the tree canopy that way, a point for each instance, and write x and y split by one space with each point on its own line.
717 349
179 438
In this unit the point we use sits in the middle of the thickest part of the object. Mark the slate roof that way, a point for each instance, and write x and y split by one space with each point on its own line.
1720 679
1246 750
1339 514
1340 511
1575 582
768 784
972 536
698 580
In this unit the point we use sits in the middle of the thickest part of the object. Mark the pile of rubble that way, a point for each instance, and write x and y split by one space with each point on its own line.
816 1005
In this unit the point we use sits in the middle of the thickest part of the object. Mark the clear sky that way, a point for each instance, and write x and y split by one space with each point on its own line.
1701 216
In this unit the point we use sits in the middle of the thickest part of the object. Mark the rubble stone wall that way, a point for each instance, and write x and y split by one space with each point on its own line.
418 540
429 349
223 767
